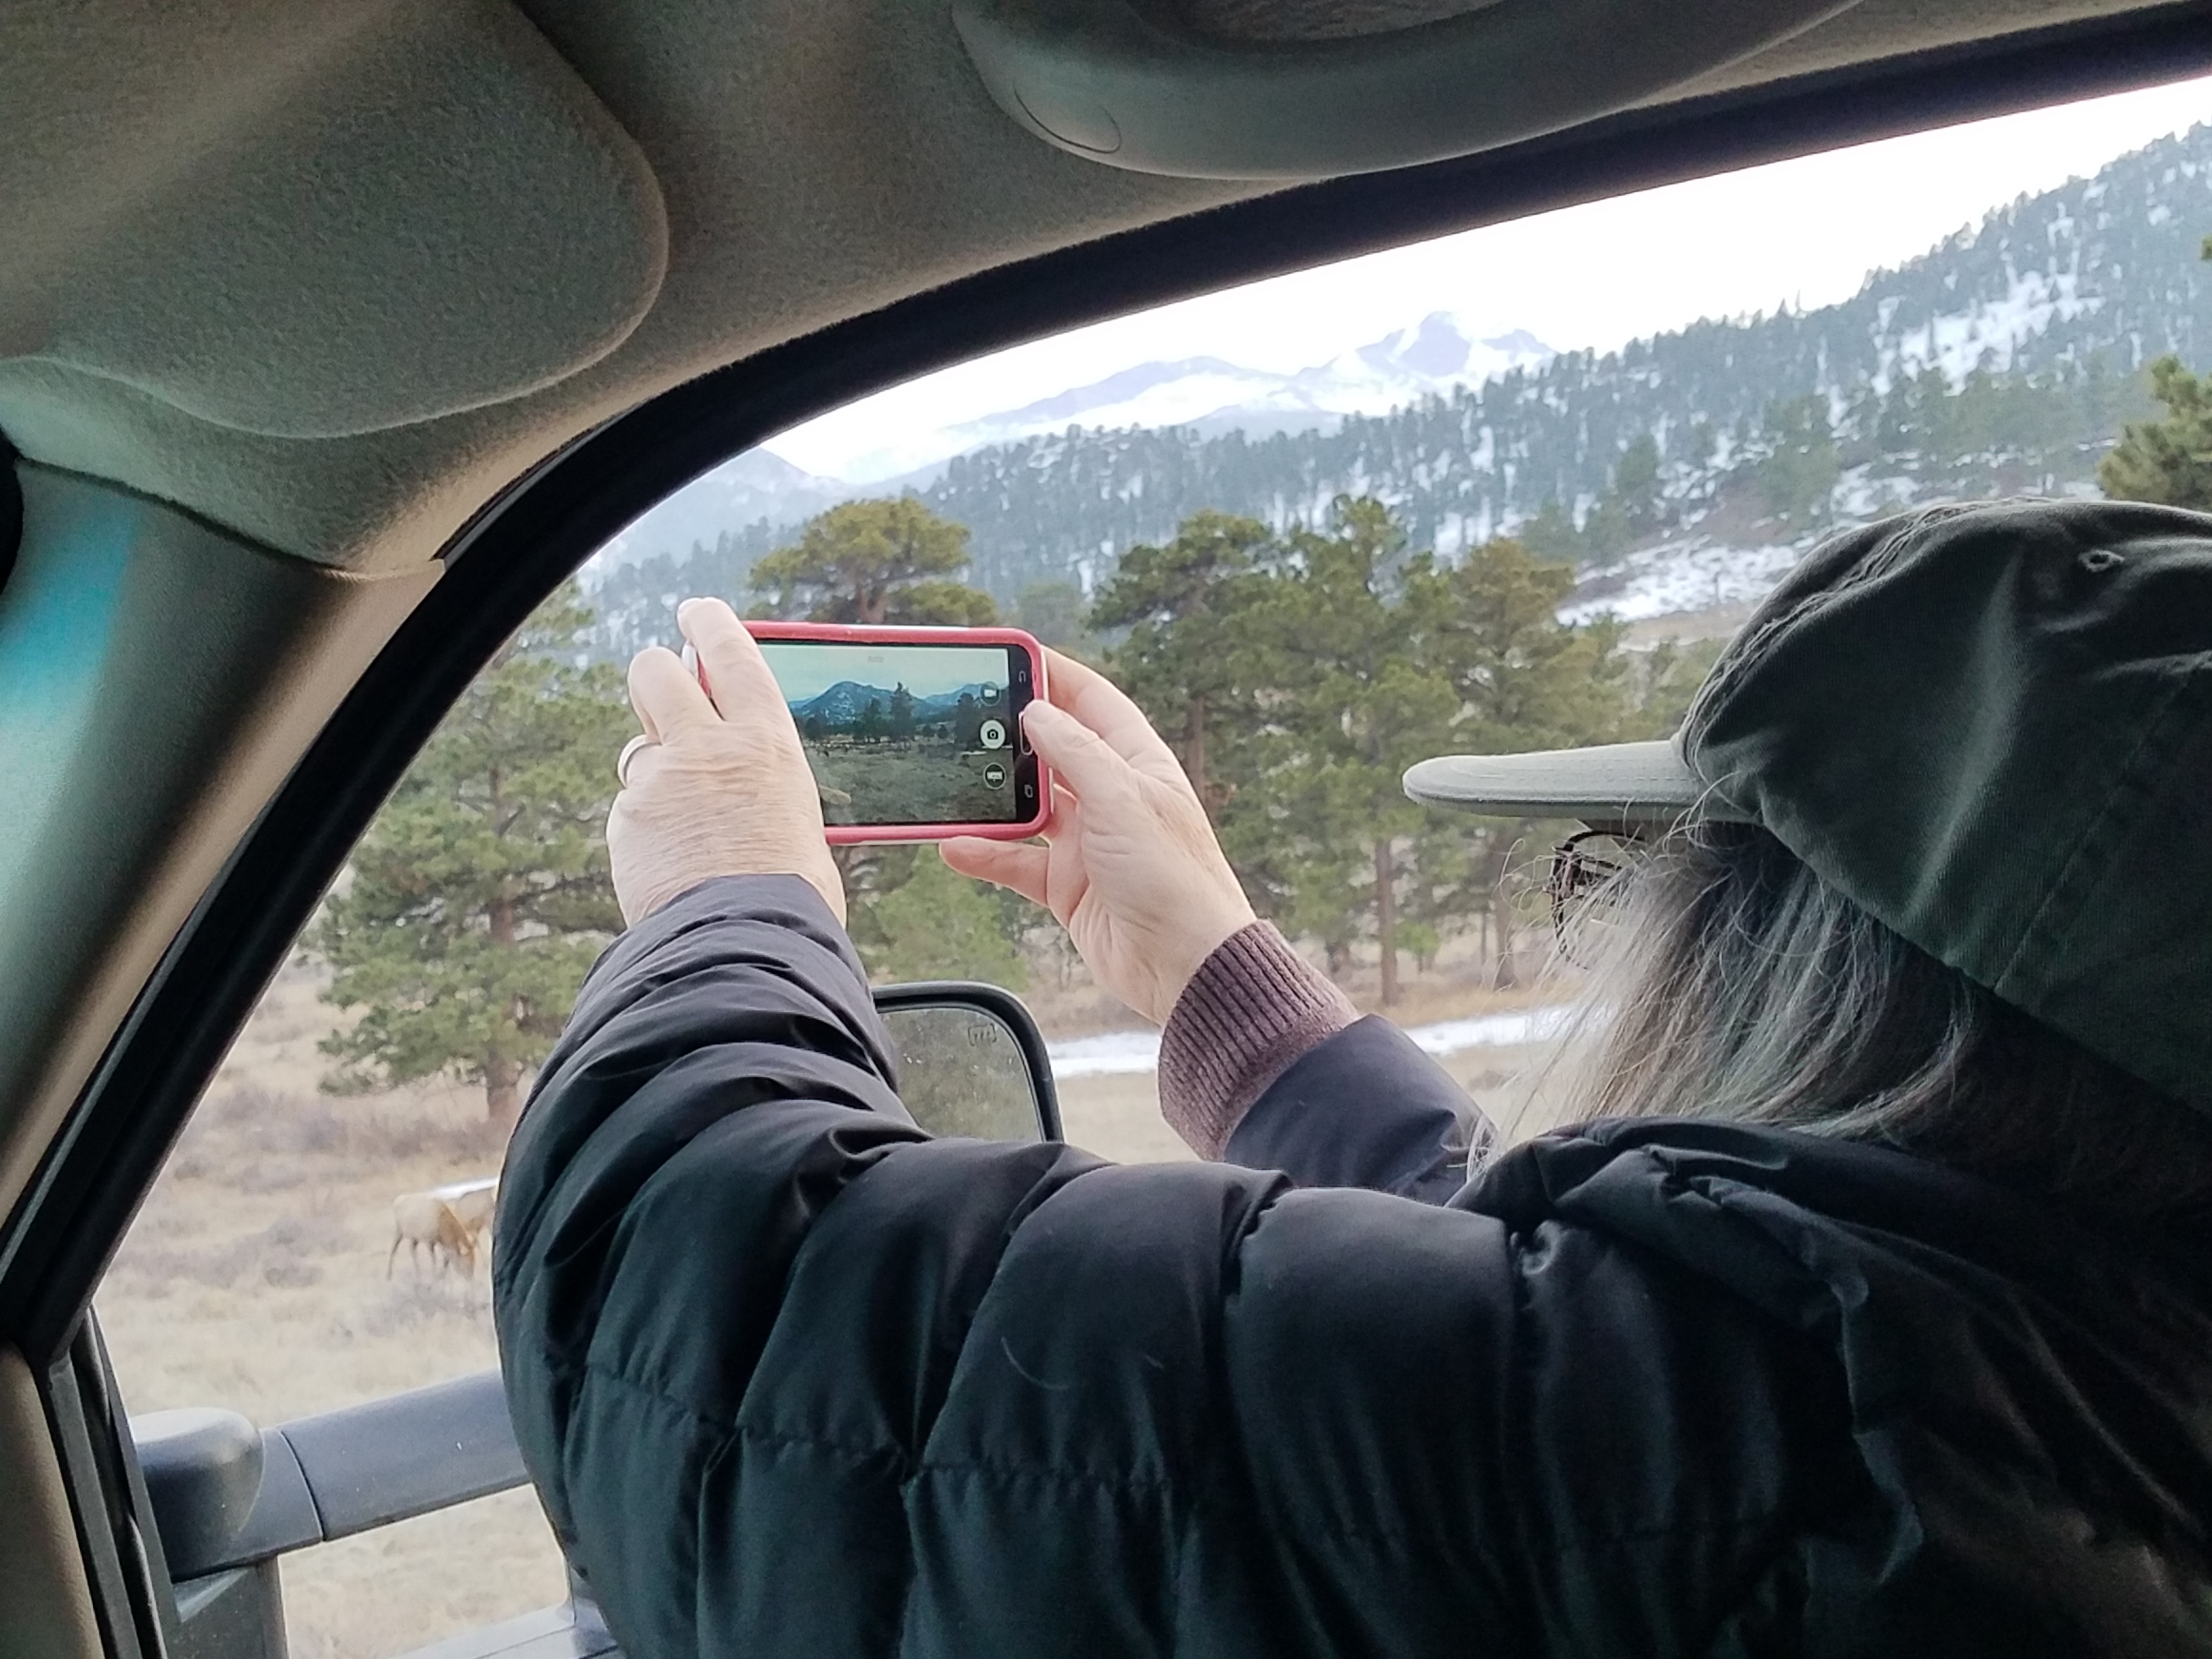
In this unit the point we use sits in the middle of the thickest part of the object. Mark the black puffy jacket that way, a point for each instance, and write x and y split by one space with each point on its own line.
795 1379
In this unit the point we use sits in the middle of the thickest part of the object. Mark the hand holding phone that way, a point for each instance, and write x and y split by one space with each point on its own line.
1131 867
709 790
912 733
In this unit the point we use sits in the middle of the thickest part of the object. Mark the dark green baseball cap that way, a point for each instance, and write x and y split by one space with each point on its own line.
1991 726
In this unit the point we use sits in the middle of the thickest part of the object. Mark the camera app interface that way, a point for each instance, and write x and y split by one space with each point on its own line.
910 734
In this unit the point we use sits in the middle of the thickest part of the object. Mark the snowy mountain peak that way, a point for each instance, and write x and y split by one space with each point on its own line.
1078 401
1437 349
1213 395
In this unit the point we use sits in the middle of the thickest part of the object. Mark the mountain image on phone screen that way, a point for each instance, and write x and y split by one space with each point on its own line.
906 734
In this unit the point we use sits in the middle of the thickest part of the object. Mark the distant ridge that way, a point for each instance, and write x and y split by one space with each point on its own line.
842 703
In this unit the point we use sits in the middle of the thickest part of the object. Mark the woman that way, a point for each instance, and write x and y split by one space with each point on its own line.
1894 1336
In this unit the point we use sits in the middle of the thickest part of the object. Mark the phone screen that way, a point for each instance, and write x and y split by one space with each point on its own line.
921 734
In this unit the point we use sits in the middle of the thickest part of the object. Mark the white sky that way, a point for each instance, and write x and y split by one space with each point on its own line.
806 670
1806 232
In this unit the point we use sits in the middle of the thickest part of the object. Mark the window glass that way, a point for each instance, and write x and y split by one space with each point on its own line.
1511 489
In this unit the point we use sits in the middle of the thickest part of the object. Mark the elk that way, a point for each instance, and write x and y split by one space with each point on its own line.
421 1218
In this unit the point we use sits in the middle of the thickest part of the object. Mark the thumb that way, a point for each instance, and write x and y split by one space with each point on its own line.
1079 756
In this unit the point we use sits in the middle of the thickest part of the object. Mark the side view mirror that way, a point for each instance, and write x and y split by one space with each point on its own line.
971 1060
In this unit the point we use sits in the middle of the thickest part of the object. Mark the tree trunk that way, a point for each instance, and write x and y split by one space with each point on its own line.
1193 750
502 1077
1508 976
1385 919
502 1089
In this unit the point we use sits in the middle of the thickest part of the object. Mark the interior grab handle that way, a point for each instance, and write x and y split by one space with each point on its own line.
1122 82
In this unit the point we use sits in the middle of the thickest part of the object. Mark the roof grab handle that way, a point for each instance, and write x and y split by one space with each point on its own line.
1122 82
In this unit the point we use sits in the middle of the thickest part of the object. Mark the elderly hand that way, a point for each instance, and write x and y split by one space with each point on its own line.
720 787
1130 867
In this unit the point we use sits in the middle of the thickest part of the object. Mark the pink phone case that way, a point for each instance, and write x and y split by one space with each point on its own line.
846 835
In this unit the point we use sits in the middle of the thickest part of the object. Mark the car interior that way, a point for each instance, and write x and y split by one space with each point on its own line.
334 337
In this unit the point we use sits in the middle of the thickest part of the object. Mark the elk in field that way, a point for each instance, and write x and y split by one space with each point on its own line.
425 1219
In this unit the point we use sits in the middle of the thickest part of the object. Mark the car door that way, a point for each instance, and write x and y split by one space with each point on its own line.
198 730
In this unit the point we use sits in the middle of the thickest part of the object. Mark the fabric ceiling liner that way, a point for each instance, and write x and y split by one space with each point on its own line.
419 208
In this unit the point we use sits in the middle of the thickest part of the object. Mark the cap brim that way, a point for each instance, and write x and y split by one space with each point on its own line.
1613 783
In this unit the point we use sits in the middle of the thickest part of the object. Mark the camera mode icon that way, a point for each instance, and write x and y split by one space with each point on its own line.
992 734
995 776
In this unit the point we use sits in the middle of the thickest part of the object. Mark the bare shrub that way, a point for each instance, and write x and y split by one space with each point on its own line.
413 1303
261 1175
398 1137
315 1234
279 1253
309 1126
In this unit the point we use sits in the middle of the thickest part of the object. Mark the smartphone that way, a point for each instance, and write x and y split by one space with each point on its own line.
914 733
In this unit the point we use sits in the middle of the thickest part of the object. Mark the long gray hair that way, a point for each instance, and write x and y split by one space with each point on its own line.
1728 981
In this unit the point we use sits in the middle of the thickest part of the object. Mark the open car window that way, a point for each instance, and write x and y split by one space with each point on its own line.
1513 490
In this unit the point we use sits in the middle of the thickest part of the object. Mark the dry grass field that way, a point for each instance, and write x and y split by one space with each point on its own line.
255 1278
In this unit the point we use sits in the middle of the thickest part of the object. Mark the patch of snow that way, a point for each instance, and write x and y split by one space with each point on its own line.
1127 1054
1678 576
1491 1031
1117 1054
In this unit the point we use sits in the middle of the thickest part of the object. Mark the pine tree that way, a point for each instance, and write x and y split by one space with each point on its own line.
1803 462
1180 603
1059 616
2170 460
873 562
1522 679
1636 487
1347 705
1551 534
481 894
937 925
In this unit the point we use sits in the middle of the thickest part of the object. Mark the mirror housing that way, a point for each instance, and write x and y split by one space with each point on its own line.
971 1060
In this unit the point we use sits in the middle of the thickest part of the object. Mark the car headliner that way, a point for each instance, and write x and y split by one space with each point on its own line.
331 276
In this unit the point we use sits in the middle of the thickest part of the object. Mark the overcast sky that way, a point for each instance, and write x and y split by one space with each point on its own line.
1805 232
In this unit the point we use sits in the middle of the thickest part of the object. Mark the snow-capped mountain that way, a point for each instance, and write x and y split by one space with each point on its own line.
1211 396
744 490
1205 395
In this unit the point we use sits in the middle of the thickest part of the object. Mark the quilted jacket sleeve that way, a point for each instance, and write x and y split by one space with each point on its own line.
795 1378
1365 1108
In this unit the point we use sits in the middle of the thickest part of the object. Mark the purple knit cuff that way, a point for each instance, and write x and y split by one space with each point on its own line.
1252 1008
